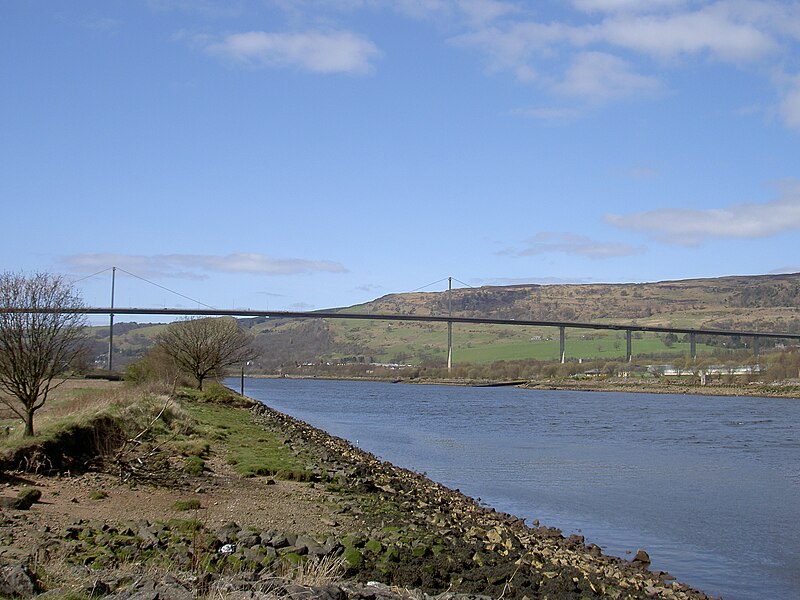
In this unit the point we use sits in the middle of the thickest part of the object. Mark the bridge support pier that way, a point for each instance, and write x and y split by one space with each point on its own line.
756 347
693 346
562 334
628 346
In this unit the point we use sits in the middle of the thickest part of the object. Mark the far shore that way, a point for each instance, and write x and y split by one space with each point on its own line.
788 389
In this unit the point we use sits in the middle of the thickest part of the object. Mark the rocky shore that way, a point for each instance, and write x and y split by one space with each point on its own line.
380 532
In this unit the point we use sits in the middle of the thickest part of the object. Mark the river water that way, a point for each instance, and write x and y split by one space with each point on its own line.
709 486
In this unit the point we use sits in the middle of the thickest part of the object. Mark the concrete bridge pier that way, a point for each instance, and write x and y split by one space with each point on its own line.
628 346
756 346
562 333
693 346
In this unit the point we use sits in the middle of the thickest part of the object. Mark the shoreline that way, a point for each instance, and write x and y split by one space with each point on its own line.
778 390
491 538
249 534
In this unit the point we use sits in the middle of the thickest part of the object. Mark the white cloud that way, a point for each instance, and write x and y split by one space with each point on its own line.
691 227
315 51
196 266
570 243
713 30
790 108
613 6
475 12
598 77
612 49
549 113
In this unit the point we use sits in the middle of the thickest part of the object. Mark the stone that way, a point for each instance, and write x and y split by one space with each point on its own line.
24 500
18 580
641 557
248 539
228 533
311 545
97 588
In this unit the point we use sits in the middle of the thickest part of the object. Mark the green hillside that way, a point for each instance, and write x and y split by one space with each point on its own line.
759 303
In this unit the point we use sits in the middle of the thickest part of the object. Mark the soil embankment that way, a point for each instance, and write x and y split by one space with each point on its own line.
357 520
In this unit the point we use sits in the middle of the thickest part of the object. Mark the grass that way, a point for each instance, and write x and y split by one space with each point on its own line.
190 504
74 402
249 448
188 426
478 344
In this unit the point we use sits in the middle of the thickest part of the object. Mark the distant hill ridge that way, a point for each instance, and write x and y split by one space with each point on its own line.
756 303
704 301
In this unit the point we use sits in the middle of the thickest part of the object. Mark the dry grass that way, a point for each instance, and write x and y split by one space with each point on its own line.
79 401
318 572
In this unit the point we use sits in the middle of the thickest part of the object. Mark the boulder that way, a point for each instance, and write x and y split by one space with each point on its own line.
16 579
24 500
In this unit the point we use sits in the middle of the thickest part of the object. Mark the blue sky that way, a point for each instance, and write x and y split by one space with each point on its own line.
305 154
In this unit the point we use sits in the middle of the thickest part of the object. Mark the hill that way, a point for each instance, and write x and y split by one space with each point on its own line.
760 303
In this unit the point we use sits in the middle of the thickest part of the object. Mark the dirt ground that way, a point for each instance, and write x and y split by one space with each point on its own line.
259 502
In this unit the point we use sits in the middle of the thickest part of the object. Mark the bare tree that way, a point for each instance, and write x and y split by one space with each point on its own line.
39 339
204 347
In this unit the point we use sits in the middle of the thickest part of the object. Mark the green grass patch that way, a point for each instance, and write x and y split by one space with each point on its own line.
190 504
194 465
484 344
250 448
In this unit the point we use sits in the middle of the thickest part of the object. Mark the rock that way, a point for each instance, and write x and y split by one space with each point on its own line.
594 550
641 557
248 539
97 588
149 588
228 533
311 545
575 541
278 541
24 500
303 592
18 580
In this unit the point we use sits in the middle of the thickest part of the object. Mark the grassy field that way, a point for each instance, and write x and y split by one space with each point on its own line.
401 342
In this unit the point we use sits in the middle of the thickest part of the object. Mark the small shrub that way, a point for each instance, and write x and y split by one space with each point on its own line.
98 495
193 447
194 465
190 504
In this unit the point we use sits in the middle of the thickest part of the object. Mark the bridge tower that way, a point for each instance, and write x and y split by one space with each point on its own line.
449 325
111 322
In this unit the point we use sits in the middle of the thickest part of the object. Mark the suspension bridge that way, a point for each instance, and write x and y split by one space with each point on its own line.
448 319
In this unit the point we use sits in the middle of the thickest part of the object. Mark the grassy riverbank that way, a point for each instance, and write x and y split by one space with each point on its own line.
217 497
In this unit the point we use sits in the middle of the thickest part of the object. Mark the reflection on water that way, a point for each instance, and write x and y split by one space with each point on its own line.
708 485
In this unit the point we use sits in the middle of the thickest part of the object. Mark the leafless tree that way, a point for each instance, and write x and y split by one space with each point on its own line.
39 339
204 347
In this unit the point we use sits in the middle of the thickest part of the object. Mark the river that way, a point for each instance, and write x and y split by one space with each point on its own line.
709 486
